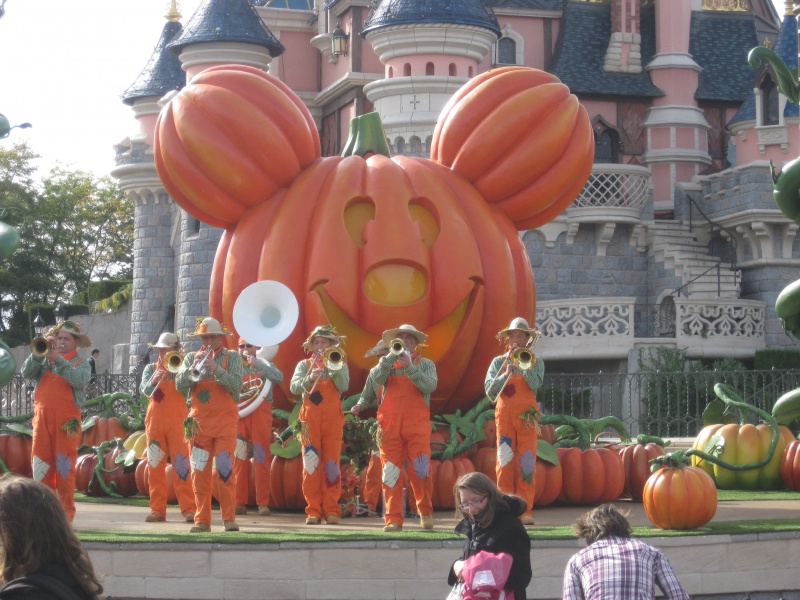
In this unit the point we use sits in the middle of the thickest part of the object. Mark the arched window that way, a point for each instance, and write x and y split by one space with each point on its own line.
391 72
469 72
606 147
415 146
399 145
429 68
506 51
428 141
407 70
453 71
769 102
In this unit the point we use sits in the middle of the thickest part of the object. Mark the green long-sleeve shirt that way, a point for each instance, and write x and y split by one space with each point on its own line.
300 386
533 377
148 386
422 375
230 378
76 371
369 396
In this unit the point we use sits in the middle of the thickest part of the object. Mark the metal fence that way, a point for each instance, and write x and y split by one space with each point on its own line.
665 404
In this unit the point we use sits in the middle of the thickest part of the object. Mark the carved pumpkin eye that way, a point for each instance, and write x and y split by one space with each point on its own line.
356 217
423 213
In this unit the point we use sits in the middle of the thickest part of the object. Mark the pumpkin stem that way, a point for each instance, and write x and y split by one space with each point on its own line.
643 439
578 426
678 459
366 136
713 449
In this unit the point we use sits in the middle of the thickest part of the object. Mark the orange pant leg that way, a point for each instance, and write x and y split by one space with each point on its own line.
256 428
516 452
223 449
201 455
54 454
417 437
322 483
372 481
241 466
179 457
392 459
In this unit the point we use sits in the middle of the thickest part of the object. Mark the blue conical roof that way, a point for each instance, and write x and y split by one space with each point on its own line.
227 21
162 73
462 12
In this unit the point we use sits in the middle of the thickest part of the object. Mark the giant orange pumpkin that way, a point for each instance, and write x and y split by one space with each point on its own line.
790 465
445 473
636 462
15 451
592 476
286 483
369 243
678 496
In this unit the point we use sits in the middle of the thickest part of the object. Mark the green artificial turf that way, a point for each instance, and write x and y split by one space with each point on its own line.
744 495
376 535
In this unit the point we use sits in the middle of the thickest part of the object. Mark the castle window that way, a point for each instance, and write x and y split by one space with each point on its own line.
469 72
506 51
453 71
769 102
391 72
407 70
399 145
415 146
606 147
429 68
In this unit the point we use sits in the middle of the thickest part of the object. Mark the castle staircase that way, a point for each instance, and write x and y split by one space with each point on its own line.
678 249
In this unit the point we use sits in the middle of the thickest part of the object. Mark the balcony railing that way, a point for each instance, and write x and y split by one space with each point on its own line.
615 186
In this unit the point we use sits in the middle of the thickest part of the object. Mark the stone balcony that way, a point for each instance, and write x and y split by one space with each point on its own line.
609 328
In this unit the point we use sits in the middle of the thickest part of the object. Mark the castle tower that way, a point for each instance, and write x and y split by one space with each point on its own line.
765 126
677 129
155 215
428 52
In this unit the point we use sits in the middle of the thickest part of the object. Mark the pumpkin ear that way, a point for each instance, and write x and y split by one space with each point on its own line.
521 138
230 140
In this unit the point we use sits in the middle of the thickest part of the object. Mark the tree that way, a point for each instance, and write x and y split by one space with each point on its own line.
74 227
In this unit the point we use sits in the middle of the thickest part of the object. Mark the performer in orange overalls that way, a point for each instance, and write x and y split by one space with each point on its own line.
212 378
322 423
516 437
61 377
255 429
404 416
163 424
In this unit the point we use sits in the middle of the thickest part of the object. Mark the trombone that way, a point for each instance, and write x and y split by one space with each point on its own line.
172 361
196 374
334 358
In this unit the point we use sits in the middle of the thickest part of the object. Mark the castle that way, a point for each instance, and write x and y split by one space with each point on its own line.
675 239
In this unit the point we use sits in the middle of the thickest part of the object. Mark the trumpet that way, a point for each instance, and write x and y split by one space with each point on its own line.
522 358
396 347
196 374
41 346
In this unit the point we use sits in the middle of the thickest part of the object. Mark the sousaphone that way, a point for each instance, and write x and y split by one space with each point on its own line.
264 314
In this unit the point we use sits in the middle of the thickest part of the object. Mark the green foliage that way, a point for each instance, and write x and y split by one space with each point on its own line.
75 228
100 290
577 403
779 359
678 390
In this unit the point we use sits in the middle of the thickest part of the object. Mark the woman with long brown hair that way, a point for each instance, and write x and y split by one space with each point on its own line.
40 556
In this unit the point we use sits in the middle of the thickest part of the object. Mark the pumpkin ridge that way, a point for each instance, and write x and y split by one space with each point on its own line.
182 179
241 177
487 146
257 136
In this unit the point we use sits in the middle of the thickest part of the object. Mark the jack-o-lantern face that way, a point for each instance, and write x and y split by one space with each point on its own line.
368 244
389 241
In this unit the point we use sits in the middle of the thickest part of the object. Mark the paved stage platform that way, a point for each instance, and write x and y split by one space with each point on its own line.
712 567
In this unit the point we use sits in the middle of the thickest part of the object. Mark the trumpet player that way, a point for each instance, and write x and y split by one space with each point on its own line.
404 416
322 424
255 429
61 378
166 412
512 387
212 379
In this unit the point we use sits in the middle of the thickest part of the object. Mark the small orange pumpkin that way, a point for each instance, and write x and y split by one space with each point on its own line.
592 476
286 483
444 474
549 480
679 496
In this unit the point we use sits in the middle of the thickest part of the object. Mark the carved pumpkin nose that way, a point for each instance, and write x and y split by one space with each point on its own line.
394 285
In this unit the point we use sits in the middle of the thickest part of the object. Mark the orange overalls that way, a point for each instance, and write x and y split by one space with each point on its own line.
54 450
217 415
405 422
516 440
256 428
163 426
323 422
371 493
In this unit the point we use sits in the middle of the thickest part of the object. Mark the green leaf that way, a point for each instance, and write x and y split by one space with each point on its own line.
19 428
717 413
290 449
126 459
547 452
89 423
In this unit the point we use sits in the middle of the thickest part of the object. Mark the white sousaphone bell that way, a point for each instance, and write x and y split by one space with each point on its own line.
264 314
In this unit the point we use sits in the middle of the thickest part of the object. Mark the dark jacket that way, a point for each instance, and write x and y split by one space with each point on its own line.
505 534
53 582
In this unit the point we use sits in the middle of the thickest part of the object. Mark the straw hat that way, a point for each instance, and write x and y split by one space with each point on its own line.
378 350
325 331
166 340
517 324
391 334
208 326
75 329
